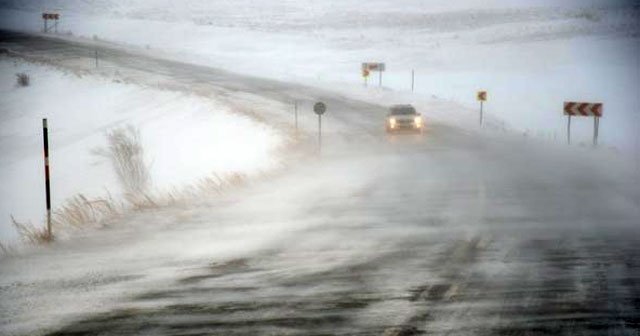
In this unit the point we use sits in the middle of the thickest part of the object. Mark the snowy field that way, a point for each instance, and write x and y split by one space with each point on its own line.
530 56
194 132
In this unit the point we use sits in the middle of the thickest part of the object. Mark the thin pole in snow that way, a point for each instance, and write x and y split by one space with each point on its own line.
569 129
96 58
412 79
45 135
596 126
481 112
319 133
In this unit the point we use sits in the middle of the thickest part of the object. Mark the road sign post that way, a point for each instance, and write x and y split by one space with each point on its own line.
372 66
568 129
481 96
50 16
45 136
596 126
581 109
319 108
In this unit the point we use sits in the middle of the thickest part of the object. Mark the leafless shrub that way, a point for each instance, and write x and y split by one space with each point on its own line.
32 234
22 79
127 158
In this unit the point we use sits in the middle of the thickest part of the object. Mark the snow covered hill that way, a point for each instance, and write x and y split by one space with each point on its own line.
530 56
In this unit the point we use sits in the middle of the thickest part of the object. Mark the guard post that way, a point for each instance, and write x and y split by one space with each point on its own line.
47 186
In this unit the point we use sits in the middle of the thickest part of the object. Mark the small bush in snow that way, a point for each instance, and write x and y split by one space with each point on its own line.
22 79
127 157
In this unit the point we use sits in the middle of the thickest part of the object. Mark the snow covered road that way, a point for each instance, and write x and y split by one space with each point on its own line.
456 232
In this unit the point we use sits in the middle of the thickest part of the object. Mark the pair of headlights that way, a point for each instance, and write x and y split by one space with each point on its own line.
416 120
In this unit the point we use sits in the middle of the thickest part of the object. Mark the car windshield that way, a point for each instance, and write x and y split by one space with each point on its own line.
402 110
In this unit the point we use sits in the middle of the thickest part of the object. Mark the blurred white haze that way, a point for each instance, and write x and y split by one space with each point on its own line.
487 227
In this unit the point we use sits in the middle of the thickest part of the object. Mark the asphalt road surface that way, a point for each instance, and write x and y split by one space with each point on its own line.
450 233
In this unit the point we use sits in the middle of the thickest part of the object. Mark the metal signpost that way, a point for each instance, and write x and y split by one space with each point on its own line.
319 108
482 97
45 136
50 16
371 66
581 109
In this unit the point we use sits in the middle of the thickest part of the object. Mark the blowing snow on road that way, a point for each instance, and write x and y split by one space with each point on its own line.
193 194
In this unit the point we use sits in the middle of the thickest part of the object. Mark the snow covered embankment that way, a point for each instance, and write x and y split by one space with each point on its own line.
185 139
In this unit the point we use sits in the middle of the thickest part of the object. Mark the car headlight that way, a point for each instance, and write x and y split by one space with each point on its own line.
392 122
418 121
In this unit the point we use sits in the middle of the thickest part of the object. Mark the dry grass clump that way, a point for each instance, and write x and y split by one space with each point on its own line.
80 211
22 79
212 185
77 212
30 233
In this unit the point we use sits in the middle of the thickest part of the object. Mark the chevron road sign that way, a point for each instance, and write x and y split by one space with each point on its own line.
581 109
